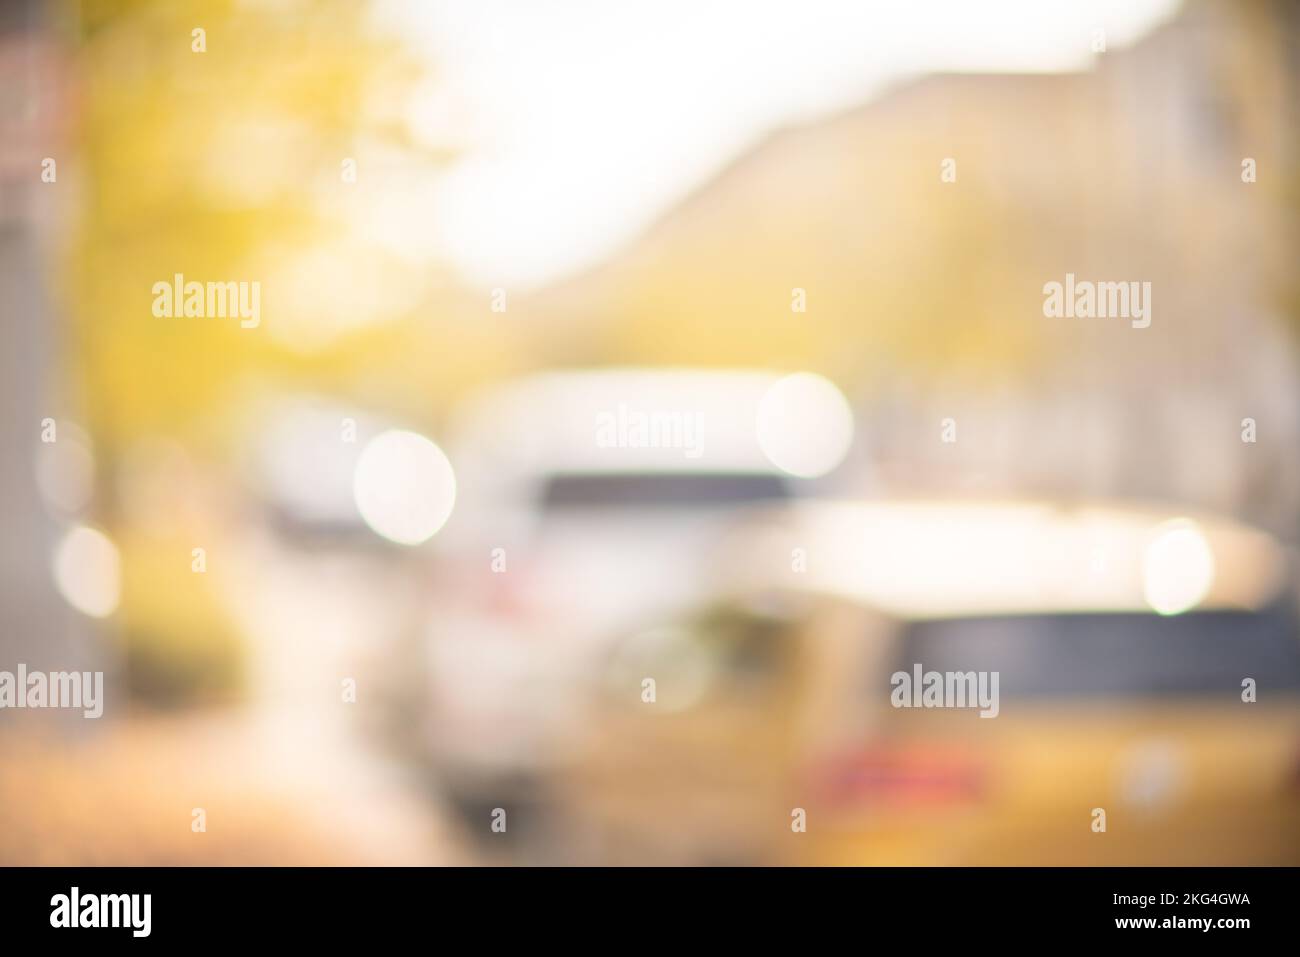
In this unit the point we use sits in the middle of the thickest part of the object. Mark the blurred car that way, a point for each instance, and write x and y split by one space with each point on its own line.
586 501
1148 682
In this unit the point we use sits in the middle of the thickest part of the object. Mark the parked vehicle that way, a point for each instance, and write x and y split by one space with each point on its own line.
1145 706
587 501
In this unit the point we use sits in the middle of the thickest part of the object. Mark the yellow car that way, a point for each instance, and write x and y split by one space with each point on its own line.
959 683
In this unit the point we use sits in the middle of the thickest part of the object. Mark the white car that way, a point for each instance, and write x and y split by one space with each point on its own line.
585 501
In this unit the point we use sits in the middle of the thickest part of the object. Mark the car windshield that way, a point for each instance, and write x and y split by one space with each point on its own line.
650 489
1109 655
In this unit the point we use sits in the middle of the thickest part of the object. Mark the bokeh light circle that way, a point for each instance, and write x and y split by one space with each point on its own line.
1177 568
87 571
804 425
404 487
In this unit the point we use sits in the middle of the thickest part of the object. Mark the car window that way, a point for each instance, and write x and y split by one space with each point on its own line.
724 650
639 489
1114 654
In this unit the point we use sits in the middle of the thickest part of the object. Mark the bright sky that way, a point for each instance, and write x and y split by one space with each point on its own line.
582 121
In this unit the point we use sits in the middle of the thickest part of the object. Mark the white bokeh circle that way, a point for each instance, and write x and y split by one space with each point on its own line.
404 487
804 425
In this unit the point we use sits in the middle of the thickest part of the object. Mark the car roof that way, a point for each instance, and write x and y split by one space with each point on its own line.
944 558
547 423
